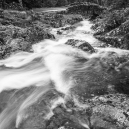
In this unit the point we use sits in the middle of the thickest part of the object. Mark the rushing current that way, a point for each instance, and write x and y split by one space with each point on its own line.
55 65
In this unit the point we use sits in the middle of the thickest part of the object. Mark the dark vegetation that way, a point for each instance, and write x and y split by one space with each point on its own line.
29 4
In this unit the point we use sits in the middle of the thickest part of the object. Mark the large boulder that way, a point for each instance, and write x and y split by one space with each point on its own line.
112 28
110 20
117 37
80 44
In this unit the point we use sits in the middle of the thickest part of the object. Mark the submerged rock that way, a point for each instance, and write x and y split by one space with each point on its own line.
20 39
109 112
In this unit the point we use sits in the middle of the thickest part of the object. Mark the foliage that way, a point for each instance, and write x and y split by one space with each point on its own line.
118 4
62 3
52 3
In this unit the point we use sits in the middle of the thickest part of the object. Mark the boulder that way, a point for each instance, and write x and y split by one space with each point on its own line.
112 28
80 44
65 29
68 28
117 37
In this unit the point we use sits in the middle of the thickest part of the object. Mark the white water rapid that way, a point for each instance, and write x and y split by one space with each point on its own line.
54 65
83 31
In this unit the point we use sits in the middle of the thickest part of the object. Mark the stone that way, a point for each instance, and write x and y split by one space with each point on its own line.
81 44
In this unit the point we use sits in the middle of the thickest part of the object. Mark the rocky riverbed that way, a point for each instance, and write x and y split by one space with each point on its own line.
19 30
99 98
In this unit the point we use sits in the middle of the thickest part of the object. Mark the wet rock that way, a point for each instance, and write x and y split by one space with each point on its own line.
117 37
94 104
74 19
110 115
122 30
59 32
110 20
81 44
106 108
106 112
112 28
110 40
19 45
39 112
68 28
99 114
115 41
27 27
64 119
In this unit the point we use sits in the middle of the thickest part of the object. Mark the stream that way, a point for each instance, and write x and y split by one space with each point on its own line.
16 65
55 65
82 31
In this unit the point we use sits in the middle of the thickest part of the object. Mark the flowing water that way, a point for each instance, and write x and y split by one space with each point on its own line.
54 65
83 31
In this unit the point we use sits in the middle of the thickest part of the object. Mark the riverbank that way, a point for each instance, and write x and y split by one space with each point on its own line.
21 29
112 28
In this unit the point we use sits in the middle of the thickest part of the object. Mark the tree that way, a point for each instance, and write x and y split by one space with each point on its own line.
71 1
52 2
117 4
62 3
